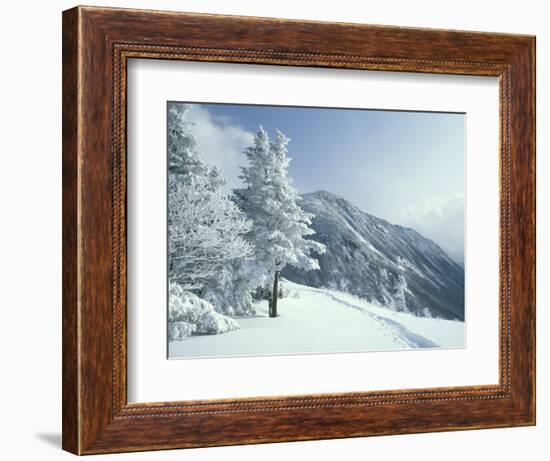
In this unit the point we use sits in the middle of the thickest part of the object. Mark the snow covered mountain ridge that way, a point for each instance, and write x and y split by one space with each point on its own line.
386 264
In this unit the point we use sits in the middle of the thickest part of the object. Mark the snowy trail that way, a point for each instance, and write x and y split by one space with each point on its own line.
315 321
401 333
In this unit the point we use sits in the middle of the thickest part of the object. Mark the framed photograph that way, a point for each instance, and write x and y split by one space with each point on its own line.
281 230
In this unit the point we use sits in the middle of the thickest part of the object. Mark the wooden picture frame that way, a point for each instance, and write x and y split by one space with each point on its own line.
97 43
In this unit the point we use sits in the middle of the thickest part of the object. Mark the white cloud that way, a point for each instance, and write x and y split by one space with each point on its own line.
440 219
221 143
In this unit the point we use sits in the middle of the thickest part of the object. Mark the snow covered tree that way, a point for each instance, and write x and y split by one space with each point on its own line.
205 231
399 299
205 228
270 201
231 291
183 157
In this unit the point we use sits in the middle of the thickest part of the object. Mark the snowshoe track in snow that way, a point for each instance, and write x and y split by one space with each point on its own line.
400 333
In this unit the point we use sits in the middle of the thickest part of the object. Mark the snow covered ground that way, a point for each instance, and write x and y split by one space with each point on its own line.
313 320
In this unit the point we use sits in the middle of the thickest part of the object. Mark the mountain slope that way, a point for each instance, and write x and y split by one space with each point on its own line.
381 262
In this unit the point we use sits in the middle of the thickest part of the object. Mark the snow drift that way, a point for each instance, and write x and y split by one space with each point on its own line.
190 315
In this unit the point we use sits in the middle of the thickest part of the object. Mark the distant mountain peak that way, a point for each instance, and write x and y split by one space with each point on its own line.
384 263
322 194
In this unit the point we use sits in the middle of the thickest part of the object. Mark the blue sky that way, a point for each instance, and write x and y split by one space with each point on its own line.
406 167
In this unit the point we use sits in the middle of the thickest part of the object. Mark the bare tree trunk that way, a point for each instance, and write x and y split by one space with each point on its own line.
274 296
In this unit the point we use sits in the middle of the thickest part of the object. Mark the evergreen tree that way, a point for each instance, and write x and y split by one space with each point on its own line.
399 297
184 162
270 201
205 228
231 291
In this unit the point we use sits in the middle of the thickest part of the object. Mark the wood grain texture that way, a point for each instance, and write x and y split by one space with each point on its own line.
70 384
97 43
